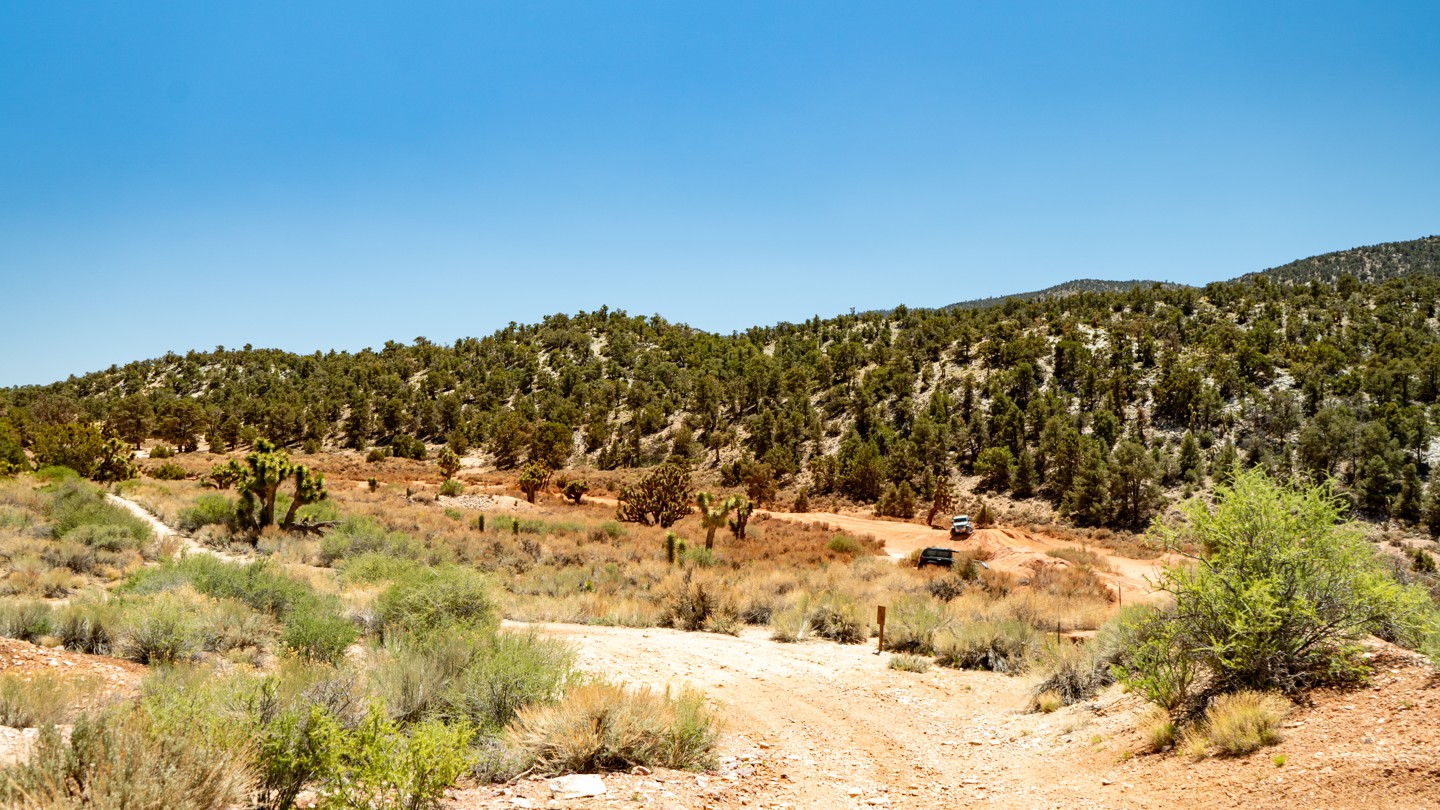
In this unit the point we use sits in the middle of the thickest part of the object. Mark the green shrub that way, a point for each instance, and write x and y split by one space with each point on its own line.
603 726
75 503
436 599
451 488
909 663
34 701
511 671
362 535
378 767
996 646
161 629
88 626
699 557
373 566
376 455
1281 594
911 625
840 617
256 584
208 510
408 447
126 761
844 544
169 472
317 634
161 451
26 621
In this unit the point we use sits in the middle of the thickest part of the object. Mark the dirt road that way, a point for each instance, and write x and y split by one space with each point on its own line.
1006 548
821 725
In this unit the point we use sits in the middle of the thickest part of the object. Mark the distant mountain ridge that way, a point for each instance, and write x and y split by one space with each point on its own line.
1370 264
1079 285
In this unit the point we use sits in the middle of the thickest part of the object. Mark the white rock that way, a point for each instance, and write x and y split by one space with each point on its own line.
577 786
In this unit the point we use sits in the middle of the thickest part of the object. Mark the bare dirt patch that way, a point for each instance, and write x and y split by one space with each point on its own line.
820 725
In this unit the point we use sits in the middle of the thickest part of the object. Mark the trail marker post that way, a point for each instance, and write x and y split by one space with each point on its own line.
880 619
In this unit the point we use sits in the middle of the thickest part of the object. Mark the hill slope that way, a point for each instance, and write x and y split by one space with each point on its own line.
1083 285
1370 264
1107 404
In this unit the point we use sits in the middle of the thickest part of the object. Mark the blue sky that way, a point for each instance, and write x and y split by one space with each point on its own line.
334 175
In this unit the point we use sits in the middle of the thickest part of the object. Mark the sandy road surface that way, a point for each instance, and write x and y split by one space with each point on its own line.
841 730
162 530
821 725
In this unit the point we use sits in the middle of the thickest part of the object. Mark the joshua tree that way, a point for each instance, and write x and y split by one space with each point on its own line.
533 479
743 507
260 477
662 497
713 515
449 462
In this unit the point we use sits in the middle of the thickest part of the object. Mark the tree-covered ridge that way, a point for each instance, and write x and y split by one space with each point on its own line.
1100 402
1373 263
1092 285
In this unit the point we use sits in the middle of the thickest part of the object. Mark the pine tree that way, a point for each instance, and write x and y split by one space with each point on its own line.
1088 500
1190 468
1024 483
1134 493
1409 506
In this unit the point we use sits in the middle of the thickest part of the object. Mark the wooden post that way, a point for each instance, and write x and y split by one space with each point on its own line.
880 619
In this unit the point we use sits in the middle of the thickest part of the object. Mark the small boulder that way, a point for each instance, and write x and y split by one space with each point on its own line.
577 786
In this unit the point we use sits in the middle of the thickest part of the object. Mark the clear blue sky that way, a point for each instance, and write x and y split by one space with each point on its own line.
332 175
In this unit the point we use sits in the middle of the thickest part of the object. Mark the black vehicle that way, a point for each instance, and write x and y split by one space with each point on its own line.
943 557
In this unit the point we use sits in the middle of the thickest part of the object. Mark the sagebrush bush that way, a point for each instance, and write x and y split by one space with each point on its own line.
164 628
1073 673
35 700
997 646
88 626
75 503
106 537
604 726
844 544
438 599
452 488
511 671
126 762
840 617
912 623
791 624
24 620
210 509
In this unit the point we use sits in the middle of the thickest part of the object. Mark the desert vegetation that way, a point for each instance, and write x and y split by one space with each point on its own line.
330 617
